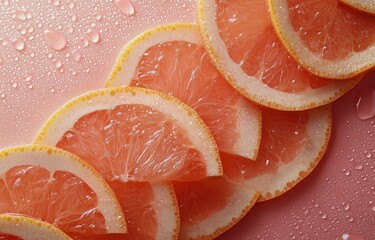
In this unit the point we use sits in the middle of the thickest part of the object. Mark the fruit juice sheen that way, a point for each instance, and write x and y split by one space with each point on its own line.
52 51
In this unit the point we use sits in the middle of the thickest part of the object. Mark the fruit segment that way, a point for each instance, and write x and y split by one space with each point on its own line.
328 38
367 6
254 60
172 59
57 187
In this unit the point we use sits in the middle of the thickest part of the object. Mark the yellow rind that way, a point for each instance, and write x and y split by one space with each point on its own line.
132 44
53 150
133 90
293 53
220 65
313 163
362 7
22 223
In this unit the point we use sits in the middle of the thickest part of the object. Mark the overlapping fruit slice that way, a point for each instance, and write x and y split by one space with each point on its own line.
292 145
241 41
13 227
328 38
367 6
137 139
172 59
54 186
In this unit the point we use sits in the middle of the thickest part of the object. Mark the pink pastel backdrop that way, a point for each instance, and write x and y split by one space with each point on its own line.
337 198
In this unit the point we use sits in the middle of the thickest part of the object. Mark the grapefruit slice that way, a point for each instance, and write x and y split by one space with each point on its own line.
328 38
137 138
292 145
172 59
242 44
211 206
367 6
13 227
57 187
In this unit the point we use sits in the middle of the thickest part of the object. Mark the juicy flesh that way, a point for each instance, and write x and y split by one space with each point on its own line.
59 198
9 237
134 143
184 70
331 29
258 50
284 134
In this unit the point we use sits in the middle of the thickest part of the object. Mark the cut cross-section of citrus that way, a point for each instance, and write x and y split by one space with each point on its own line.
367 6
241 41
328 38
54 186
211 206
292 145
172 59
13 227
137 138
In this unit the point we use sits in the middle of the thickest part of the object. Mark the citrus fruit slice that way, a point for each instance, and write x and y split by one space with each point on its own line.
136 137
172 59
242 44
328 38
54 186
367 6
292 145
211 206
13 227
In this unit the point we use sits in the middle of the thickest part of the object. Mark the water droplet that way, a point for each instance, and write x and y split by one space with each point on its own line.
125 6
346 207
28 14
74 18
22 30
3 42
70 29
369 155
31 86
14 85
30 28
52 90
39 25
77 55
2 95
358 167
93 35
98 16
28 78
18 44
6 3
71 5
85 42
49 55
55 2
58 63
366 102
55 39
19 15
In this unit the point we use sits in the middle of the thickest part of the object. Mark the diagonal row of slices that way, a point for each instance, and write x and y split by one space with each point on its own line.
194 126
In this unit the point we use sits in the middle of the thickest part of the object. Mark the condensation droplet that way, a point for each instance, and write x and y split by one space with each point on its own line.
77 55
93 35
39 25
98 16
6 3
55 39
74 18
366 102
58 63
55 2
71 5
18 44
22 30
369 155
2 95
125 6
19 15
14 85
358 167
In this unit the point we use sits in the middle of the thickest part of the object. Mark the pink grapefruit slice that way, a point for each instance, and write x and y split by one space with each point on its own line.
242 44
172 59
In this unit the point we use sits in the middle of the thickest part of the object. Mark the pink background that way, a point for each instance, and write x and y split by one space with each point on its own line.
337 198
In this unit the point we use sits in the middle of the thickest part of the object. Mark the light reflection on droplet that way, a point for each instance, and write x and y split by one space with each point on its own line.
93 35
125 6
55 39
18 44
